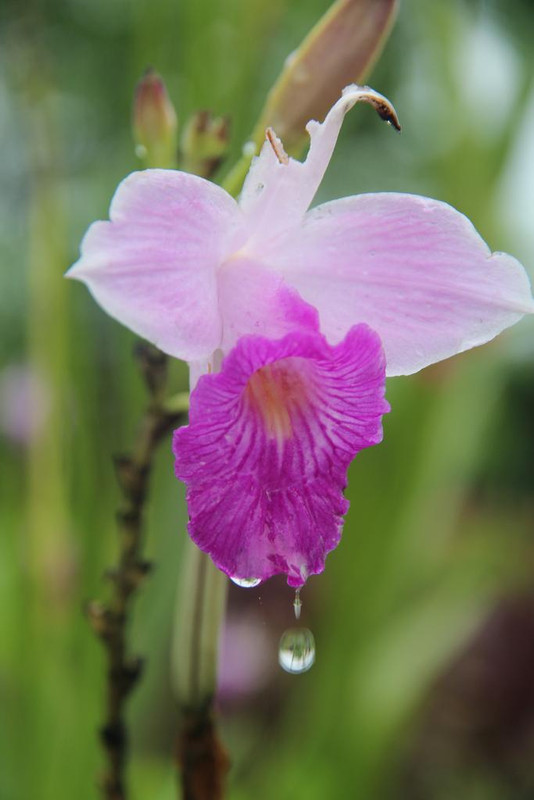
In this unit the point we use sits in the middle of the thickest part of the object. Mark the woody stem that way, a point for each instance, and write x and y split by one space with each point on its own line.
110 621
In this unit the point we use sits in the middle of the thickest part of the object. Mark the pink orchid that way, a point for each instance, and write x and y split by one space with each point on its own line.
266 453
272 432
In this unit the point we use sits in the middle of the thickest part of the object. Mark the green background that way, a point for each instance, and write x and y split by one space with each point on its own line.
424 618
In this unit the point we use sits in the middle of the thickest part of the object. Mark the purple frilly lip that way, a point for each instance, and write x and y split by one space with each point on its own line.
266 453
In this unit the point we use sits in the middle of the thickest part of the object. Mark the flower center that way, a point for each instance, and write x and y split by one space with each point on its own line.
275 392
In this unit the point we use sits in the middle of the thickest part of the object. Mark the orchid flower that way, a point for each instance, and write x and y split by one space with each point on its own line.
298 315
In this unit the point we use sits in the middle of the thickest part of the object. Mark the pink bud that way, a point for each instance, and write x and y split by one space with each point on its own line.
154 121
341 49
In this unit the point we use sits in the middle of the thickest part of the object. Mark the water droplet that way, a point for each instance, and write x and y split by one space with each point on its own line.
249 149
296 652
246 583
297 604
140 151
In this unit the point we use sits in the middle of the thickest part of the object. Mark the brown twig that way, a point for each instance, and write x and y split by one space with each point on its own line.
110 621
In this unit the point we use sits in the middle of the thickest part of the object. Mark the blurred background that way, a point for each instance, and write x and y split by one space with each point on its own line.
423 686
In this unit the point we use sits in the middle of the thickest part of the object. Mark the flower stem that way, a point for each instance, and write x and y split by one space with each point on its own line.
202 759
110 621
233 182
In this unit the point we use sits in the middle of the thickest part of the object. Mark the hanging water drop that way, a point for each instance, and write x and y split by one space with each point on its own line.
297 604
246 583
296 652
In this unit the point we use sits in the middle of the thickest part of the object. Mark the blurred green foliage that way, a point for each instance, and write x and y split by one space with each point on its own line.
440 528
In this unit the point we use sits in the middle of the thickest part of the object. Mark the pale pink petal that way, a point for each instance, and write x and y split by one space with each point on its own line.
153 266
253 301
278 190
257 301
412 268
266 452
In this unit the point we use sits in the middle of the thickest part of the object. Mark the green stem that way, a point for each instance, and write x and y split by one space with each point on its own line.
200 612
234 180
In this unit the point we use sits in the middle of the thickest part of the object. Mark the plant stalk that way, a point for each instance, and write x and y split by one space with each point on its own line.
110 621
202 759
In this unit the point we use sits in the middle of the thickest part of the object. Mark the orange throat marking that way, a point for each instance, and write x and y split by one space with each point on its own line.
274 391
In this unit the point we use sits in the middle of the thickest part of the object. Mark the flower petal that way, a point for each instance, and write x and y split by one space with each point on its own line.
278 189
266 452
253 301
412 268
153 265
257 301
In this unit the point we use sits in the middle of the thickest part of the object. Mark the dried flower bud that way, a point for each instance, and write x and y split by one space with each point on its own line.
339 50
154 122
204 143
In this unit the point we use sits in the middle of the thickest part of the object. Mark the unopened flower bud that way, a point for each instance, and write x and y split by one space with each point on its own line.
204 143
155 123
338 51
